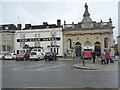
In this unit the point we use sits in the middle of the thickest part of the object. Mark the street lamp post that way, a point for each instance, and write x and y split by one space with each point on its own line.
83 60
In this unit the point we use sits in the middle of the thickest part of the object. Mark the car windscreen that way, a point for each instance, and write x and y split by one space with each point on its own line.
8 55
33 53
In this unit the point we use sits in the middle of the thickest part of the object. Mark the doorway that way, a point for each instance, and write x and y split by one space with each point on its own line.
78 49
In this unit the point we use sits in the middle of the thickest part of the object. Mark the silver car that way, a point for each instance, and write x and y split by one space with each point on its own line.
8 56
1 56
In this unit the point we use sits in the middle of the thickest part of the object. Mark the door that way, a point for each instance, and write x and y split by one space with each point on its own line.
78 51
97 49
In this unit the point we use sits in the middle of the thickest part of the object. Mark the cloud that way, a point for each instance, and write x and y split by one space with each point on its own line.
38 12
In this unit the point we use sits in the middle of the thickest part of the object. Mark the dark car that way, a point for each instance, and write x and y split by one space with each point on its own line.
50 56
24 56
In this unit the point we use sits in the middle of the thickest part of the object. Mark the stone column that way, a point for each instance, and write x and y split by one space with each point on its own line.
111 44
64 43
102 43
82 43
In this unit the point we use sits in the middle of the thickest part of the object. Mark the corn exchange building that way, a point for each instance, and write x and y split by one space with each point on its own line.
88 35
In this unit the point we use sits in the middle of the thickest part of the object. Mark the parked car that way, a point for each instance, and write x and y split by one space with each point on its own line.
35 55
1 55
23 56
87 54
8 56
50 56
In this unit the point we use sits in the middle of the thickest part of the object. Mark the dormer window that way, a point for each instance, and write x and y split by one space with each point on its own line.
6 28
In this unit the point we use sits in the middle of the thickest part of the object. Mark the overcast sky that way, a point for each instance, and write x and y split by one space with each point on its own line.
39 12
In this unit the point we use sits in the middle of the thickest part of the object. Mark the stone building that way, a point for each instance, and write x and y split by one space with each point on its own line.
88 35
7 38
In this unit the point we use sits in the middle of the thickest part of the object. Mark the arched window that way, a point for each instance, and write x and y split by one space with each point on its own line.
69 44
88 43
106 42
78 44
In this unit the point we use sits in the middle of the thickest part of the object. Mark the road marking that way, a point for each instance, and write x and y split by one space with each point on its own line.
8 65
37 70
50 67
27 67
99 70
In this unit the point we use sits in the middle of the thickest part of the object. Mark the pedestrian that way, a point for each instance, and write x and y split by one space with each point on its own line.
73 55
93 56
65 54
103 58
107 56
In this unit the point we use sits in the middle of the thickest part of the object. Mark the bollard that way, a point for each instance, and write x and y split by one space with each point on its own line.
83 61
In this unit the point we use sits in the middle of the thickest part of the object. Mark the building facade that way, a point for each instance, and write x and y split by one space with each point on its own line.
7 38
46 37
88 35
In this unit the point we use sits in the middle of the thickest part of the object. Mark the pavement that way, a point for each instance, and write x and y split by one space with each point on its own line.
97 66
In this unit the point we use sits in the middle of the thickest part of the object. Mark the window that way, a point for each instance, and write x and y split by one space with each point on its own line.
6 48
3 47
106 42
37 43
38 35
17 51
6 37
22 44
57 50
51 49
35 35
39 50
22 36
54 50
69 43
6 28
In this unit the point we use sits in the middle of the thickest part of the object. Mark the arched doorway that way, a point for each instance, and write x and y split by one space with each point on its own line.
97 48
78 49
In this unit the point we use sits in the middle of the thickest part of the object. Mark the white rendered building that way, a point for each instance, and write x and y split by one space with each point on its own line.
47 38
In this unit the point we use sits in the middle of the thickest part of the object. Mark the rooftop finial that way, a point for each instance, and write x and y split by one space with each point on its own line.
110 20
86 6
86 13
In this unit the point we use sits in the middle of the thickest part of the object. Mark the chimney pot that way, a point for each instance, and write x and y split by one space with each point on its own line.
58 22
19 26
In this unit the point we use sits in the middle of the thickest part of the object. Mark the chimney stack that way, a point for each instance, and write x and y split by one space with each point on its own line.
27 26
58 22
19 26
45 23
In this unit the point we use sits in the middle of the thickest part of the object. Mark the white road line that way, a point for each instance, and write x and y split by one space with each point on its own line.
8 65
51 67
27 67
102 70
26 70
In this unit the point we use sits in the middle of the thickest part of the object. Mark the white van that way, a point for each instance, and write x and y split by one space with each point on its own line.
35 55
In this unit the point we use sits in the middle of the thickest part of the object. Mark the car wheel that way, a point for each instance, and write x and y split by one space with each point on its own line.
38 59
